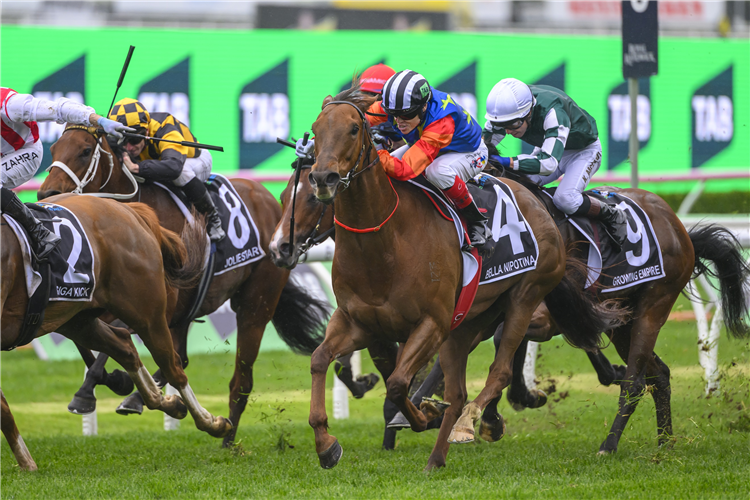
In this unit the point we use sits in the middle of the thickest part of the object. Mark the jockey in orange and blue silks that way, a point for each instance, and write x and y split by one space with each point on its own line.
443 141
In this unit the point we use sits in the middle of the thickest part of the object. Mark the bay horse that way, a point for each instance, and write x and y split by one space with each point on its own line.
136 263
397 274
685 254
259 292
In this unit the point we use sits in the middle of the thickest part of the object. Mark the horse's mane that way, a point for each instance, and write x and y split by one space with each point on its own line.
354 95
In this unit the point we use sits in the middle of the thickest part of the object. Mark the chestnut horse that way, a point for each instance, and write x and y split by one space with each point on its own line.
136 262
397 275
259 292
685 254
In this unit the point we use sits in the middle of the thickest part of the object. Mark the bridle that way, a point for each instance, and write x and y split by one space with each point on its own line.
94 167
313 238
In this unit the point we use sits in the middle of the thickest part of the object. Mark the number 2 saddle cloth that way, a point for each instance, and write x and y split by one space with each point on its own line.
242 244
71 262
513 248
611 268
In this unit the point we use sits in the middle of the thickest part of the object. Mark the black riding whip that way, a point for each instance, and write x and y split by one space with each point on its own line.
122 76
189 144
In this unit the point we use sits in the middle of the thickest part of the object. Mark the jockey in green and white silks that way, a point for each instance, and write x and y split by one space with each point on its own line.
566 141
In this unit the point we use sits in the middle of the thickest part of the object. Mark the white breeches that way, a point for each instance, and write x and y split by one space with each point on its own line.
195 167
443 171
20 166
578 165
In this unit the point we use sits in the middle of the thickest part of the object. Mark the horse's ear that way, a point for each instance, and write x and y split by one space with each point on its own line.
327 100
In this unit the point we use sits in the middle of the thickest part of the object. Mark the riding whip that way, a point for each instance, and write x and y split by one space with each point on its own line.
122 77
188 144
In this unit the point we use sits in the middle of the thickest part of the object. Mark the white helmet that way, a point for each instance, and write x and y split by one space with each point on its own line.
509 99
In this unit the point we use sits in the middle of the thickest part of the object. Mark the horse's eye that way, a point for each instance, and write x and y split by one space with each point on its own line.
355 129
86 152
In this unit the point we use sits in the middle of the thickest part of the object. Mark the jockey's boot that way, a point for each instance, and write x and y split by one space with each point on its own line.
476 223
43 241
196 192
614 219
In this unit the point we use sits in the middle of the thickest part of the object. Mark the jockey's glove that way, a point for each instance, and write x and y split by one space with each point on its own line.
112 127
305 150
504 161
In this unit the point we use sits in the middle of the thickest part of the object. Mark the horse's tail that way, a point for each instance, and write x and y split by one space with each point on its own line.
184 255
579 315
717 244
300 319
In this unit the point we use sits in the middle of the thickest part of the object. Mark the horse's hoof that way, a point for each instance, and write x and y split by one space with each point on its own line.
541 399
120 383
433 408
461 436
330 457
82 406
398 422
516 405
492 431
131 405
221 427
176 408
369 381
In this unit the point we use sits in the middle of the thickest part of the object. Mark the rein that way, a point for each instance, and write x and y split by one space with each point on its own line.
93 167
353 173
313 238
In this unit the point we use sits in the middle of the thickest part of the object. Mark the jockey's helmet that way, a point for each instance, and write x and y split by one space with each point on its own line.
373 78
509 100
405 93
131 113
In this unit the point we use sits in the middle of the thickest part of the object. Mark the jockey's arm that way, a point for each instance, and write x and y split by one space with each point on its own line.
27 108
546 160
492 135
435 137
376 114
171 157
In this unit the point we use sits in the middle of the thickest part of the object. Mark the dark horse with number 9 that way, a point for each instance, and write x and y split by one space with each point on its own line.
136 263
259 292
398 280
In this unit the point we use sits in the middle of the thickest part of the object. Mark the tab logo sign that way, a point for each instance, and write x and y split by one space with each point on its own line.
264 115
618 104
69 81
169 92
713 117
463 89
555 78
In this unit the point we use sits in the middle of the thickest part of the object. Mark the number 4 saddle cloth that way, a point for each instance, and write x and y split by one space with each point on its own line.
513 247
242 244
71 262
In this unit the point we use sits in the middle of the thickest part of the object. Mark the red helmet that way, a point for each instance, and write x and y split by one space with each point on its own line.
374 77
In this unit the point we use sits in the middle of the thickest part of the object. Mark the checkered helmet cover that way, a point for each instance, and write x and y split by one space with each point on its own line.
130 113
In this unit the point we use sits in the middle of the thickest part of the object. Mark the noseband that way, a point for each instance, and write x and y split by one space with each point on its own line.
93 167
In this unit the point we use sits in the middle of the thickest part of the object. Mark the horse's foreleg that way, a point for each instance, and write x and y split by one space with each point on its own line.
84 400
423 343
383 355
454 354
10 431
342 337
517 320
662 395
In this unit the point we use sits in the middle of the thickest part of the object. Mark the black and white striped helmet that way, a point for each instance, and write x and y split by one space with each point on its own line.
405 93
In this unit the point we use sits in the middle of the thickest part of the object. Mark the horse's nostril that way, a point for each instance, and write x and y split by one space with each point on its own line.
284 249
332 179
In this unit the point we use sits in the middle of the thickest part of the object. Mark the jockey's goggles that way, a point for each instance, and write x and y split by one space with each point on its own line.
133 141
511 125
408 114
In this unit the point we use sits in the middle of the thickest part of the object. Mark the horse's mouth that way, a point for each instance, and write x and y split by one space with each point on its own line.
325 195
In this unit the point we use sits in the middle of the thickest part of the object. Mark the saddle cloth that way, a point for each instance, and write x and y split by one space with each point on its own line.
638 261
242 244
71 262
513 248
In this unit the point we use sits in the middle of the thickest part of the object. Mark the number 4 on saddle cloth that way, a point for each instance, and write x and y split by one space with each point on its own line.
242 244
68 273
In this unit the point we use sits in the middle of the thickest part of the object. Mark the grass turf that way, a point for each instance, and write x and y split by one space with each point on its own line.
546 453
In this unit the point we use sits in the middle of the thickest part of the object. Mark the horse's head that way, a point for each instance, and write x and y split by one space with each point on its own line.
83 159
341 138
312 220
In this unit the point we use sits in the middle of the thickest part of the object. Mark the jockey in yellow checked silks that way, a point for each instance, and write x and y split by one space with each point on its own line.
22 152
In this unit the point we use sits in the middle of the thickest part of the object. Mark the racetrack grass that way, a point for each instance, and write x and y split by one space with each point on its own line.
546 453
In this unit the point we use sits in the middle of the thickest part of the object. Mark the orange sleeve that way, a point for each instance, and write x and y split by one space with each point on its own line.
377 110
434 138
